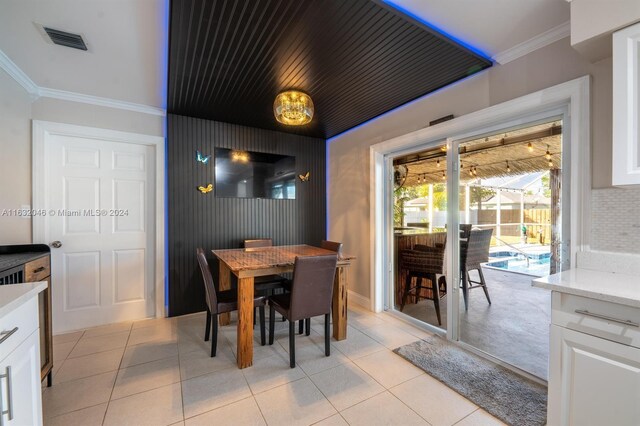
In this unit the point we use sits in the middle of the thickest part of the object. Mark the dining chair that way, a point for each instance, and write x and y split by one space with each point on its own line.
220 302
424 263
311 295
472 255
268 284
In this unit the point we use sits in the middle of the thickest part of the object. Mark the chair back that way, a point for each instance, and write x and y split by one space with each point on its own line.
312 287
261 242
207 278
332 245
477 250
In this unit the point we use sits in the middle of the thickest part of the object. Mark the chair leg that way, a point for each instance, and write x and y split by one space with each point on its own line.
272 323
307 325
436 297
327 336
214 335
263 340
207 329
484 284
300 326
292 344
407 287
465 289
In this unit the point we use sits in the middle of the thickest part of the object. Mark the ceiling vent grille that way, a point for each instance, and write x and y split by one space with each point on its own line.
63 38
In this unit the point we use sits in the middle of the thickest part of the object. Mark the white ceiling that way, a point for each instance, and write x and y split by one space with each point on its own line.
492 26
127 41
128 38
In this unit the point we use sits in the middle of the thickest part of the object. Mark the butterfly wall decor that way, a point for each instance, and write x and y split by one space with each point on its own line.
206 189
305 178
204 159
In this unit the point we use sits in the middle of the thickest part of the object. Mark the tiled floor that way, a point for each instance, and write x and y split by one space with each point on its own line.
158 372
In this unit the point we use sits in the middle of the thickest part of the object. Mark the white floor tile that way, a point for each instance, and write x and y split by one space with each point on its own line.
139 354
62 350
92 345
390 336
346 385
480 418
310 355
335 420
357 344
108 329
197 363
162 406
388 368
92 416
296 403
214 390
67 337
383 409
147 376
241 413
267 373
71 396
165 333
89 365
435 402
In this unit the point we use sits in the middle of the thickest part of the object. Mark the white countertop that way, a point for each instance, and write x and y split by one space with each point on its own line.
14 295
608 286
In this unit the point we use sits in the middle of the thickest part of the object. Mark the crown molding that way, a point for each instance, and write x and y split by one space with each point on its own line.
64 95
37 92
533 44
18 75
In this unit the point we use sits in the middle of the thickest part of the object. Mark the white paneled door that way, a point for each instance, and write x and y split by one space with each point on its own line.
100 222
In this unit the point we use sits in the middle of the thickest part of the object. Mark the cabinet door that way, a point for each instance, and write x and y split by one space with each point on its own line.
21 389
626 106
599 381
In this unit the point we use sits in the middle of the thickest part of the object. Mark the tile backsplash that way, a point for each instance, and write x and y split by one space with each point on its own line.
615 220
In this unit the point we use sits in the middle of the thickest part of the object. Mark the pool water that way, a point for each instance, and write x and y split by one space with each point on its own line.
515 262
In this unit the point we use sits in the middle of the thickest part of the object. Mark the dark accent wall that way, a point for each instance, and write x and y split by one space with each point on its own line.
202 220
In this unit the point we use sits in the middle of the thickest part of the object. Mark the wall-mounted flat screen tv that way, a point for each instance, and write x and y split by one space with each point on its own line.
248 174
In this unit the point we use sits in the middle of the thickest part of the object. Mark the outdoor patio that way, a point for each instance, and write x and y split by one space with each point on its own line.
514 328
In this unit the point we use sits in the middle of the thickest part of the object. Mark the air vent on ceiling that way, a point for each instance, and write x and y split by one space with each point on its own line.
64 38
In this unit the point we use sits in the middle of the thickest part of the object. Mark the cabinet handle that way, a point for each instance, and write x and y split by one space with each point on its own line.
6 334
40 269
9 410
606 317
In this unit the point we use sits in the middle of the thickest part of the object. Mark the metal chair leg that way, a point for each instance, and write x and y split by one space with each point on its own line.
263 340
300 326
307 325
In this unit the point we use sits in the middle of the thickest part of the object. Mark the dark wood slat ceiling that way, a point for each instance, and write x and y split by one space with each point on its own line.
358 59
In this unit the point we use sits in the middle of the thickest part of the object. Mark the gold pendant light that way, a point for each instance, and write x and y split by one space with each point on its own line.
293 108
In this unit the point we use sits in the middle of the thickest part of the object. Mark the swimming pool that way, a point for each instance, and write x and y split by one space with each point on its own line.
515 262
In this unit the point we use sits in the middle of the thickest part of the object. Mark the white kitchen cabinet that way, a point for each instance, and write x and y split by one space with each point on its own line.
593 381
626 106
20 390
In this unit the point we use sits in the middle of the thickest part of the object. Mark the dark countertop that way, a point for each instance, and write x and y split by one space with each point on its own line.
8 261
16 255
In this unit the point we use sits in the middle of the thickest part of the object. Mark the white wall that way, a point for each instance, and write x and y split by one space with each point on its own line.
16 113
348 186
15 159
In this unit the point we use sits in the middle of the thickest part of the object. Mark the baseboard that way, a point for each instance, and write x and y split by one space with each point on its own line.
358 299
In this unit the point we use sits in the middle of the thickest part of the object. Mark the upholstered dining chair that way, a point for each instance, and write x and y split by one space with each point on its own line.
269 284
310 296
220 302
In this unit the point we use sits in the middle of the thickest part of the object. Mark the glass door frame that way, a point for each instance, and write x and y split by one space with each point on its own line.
453 141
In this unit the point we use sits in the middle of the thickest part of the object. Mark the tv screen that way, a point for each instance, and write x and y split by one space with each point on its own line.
247 174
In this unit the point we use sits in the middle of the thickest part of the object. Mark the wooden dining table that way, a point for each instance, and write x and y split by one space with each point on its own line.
246 264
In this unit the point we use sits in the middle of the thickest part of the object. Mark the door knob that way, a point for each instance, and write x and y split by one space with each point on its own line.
56 244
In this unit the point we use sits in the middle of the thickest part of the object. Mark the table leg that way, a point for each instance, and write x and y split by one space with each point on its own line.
245 322
339 311
224 284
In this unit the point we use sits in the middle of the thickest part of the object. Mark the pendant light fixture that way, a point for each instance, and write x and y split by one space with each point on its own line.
547 154
293 108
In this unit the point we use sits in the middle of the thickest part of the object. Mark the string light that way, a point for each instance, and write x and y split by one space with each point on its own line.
438 163
550 163
444 176
475 171
508 167
547 155
530 147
